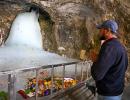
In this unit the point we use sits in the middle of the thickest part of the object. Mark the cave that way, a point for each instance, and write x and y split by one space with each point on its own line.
68 26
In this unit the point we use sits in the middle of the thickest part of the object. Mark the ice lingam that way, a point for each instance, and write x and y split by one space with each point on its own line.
23 49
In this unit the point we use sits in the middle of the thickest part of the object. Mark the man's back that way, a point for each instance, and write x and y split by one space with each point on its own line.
109 70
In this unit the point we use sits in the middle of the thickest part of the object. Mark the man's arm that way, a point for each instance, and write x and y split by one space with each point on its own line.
106 59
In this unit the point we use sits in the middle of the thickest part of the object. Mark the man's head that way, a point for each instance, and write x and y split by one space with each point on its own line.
108 28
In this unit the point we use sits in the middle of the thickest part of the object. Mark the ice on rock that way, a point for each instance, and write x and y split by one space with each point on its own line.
25 31
23 48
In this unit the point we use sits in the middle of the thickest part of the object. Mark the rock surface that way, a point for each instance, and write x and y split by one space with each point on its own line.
70 23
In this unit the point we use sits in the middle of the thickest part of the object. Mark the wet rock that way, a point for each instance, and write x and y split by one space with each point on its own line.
71 23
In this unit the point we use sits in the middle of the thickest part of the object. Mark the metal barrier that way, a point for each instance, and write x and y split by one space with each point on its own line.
81 71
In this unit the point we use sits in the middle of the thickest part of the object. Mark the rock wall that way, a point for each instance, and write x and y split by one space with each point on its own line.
68 26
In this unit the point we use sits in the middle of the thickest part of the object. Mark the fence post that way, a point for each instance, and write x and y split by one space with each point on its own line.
36 91
88 64
9 87
75 71
81 71
12 86
63 77
52 79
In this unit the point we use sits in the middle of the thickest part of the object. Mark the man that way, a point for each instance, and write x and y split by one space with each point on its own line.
109 69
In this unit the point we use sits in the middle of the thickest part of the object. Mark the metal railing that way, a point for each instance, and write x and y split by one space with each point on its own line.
12 75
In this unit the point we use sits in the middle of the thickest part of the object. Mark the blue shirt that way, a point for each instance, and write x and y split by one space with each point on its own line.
109 69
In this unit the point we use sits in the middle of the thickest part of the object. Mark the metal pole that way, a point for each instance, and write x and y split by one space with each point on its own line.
87 69
81 71
52 79
63 77
36 91
9 87
75 72
12 86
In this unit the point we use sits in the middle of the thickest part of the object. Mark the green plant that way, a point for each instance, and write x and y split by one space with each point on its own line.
3 95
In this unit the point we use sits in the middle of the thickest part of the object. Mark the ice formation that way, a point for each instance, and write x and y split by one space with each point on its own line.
23 48
25 31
